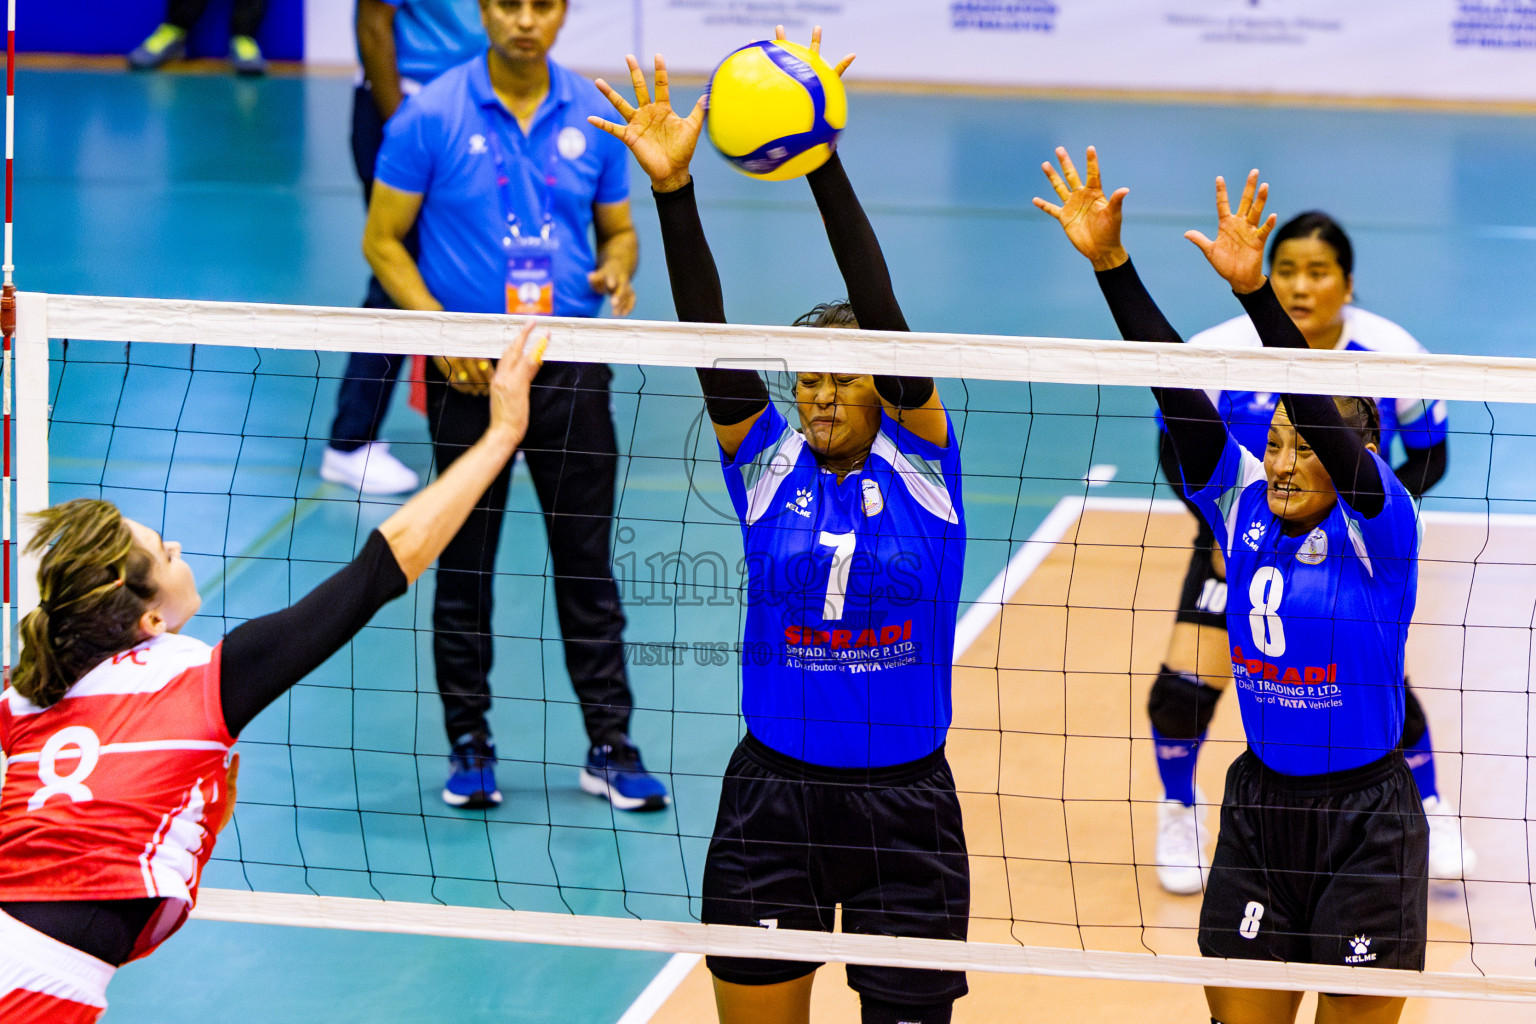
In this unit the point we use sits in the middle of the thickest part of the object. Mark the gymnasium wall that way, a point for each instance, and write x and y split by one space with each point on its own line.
1432 49
117 26
1426 49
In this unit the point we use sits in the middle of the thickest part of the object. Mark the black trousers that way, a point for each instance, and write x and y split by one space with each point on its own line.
369 379
244 19
572 455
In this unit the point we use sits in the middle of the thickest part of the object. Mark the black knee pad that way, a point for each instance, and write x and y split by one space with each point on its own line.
877 1011
1180 707
1414 723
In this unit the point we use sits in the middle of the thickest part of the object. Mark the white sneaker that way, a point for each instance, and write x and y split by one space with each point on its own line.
1182 867
370 469
1450 858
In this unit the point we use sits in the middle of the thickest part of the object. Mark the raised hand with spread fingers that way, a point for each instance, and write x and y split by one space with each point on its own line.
815 47
1237 253
662 141
1090 219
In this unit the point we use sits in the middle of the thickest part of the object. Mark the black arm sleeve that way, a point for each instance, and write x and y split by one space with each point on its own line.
1194 426
690 265
1317 418
865 273
262 658
1423 468
730 395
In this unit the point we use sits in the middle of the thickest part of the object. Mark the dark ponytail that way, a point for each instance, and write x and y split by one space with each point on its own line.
94 584
838 313
1363 415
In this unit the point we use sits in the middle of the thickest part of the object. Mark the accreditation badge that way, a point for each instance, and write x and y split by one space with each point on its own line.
874 504
531 276
1314 549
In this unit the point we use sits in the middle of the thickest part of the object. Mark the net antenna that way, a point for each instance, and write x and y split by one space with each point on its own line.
8 330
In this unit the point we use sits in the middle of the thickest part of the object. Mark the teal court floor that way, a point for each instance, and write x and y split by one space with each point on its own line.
200 186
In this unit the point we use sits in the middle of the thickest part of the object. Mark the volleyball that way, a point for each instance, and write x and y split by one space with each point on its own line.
776 110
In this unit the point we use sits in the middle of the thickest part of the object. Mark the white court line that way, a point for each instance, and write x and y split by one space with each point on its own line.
1100 475
660 989
1019 568
971 625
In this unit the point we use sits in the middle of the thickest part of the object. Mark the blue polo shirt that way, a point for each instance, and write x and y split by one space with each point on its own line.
432 36
435 147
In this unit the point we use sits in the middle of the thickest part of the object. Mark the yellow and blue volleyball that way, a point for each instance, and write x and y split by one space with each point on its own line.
776 110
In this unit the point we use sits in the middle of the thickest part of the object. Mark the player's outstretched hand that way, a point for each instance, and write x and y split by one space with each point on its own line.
1237 254
1090 219
612 280
468 374
662 142
420 529
839 67
475 376
509 385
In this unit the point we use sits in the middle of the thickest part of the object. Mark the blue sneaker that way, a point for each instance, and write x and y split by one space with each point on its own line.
245 57
166 43
616 774
472 773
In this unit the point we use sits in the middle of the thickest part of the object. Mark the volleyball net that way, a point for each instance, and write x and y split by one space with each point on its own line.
207 421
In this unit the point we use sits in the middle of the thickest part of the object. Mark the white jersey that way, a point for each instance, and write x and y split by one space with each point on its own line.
1418 422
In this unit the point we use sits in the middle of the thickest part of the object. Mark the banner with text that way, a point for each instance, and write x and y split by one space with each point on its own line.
1427 49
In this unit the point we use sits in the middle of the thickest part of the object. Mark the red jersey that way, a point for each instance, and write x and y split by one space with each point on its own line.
115 791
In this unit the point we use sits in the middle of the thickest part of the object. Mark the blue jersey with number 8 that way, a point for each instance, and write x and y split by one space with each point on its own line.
852 590
1317 622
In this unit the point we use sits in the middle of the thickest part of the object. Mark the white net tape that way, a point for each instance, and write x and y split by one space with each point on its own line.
837 947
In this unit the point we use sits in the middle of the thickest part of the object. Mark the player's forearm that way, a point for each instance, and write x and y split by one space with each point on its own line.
376 49
1136 314
1317 419
262 658
691 269
1194 426
856 249
620 251
384 84
392 264
423 526
1423 468
865 274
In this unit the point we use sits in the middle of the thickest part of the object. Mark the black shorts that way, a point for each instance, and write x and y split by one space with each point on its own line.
793 840
1325 869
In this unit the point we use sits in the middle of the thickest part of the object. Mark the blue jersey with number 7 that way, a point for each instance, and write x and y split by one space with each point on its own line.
852 588
1316 622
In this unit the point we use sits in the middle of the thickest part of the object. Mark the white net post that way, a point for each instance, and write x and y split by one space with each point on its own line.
31 441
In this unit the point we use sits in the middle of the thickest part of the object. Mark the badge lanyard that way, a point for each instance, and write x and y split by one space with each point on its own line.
530 282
